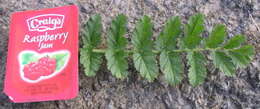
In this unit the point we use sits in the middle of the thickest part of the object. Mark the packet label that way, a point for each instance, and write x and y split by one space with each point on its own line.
42 61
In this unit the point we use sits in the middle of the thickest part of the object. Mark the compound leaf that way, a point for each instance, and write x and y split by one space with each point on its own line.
115 53
144 58
223 62
217 36
197 70
193 31
91 38
227 57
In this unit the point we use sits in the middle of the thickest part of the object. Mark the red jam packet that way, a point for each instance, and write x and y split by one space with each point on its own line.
42 61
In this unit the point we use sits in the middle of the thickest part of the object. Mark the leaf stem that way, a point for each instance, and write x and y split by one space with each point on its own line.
99 50
177 50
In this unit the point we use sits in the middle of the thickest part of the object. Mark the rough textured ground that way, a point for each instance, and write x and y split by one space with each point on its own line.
106 92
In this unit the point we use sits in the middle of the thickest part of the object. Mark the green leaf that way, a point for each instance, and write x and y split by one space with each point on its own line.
241 57
28 58
235 42
193 31
223 62
91 61
142 35
144 58
197 71
170 62
91 38
171 66
238 59
217 36
247 50
115 54
167 40
61 58
92 32
145 63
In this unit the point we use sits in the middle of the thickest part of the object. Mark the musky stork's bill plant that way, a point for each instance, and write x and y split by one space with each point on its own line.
174 42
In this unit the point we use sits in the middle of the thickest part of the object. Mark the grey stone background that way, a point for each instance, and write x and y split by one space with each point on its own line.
106 92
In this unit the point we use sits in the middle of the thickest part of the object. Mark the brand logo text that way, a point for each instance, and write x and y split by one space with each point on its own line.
45 22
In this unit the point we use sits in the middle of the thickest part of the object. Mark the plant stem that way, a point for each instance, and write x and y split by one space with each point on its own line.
178 50
99 50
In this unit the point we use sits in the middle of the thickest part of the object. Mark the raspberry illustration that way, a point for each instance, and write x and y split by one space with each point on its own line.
30 71
48 65
43 67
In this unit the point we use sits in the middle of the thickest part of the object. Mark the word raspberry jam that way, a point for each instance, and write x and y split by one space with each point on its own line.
42 61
